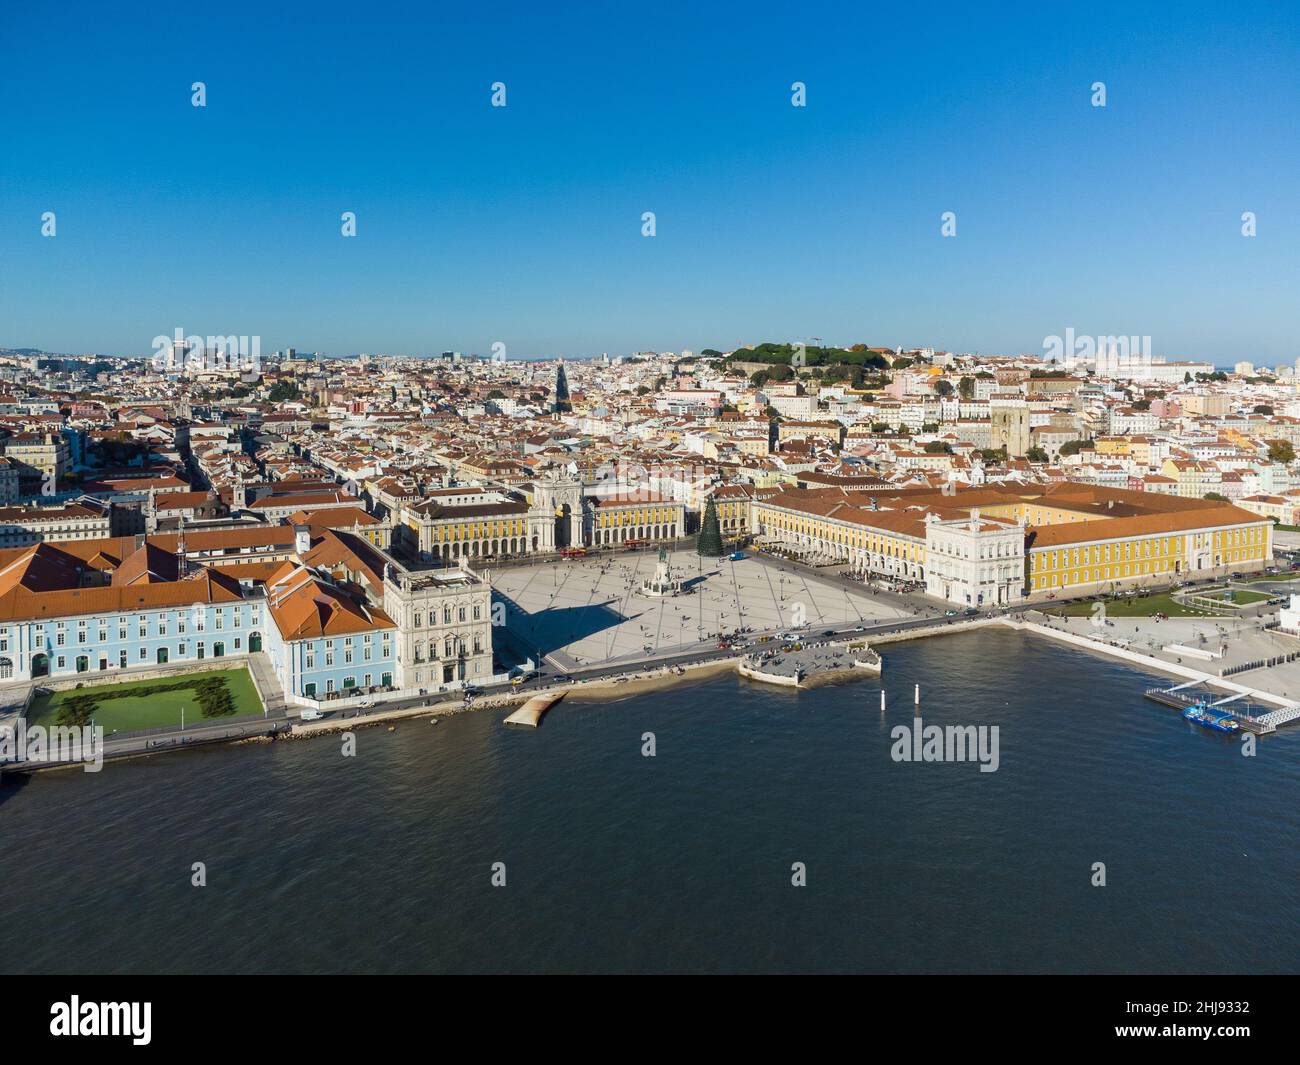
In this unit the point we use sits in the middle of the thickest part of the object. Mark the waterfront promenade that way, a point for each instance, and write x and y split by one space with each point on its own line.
588 606
1231 642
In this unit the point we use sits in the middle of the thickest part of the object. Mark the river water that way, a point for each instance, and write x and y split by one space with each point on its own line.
613 861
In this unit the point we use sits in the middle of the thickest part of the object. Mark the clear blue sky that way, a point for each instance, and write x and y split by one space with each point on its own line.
523 224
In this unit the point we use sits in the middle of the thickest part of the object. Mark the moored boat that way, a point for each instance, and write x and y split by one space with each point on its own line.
1206 716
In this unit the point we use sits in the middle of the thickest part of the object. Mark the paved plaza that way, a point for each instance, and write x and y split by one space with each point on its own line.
1235 641
582 612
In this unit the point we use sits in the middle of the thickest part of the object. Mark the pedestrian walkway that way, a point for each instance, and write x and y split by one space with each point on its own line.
267 683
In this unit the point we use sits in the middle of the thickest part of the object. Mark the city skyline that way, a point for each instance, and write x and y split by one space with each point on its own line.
522 224
610 489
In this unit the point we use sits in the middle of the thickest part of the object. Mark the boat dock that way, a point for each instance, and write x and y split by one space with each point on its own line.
1180 697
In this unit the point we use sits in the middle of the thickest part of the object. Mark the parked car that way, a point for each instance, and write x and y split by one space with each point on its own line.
311 715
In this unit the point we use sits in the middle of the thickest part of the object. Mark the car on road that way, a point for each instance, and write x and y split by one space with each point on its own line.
366 704
561 678
829 632
971 612
311 715
950 613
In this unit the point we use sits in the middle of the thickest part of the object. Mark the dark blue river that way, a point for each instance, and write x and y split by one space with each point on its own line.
615 862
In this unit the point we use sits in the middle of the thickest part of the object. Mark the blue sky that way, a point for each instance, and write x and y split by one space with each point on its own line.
523 224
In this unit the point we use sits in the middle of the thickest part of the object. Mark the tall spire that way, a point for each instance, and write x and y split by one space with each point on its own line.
562 404
182 561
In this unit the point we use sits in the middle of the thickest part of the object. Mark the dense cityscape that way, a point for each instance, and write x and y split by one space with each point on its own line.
363 530
696 490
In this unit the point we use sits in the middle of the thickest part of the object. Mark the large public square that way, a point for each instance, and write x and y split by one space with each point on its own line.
588 611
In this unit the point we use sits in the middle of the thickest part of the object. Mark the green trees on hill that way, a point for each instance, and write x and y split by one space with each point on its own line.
283 390
783 354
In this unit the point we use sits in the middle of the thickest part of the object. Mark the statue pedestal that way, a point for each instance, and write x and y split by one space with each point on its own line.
663 584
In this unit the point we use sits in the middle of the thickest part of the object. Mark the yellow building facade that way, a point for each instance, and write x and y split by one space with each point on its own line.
1078 538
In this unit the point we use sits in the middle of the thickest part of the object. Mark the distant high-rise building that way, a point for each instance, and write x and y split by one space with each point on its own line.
562 404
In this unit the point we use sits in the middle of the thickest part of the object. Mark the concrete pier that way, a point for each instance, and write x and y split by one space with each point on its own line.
531 713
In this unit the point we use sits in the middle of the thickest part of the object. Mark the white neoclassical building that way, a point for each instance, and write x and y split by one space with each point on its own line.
974 561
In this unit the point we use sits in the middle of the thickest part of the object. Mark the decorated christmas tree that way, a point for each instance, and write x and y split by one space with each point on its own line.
710 542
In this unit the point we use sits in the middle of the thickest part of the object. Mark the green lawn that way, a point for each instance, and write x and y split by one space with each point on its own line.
1140 606
1247 598
1239 598
128 714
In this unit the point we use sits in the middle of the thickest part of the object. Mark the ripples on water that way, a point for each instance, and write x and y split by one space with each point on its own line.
682 862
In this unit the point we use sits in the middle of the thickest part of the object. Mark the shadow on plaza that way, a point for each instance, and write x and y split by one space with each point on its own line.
560 626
